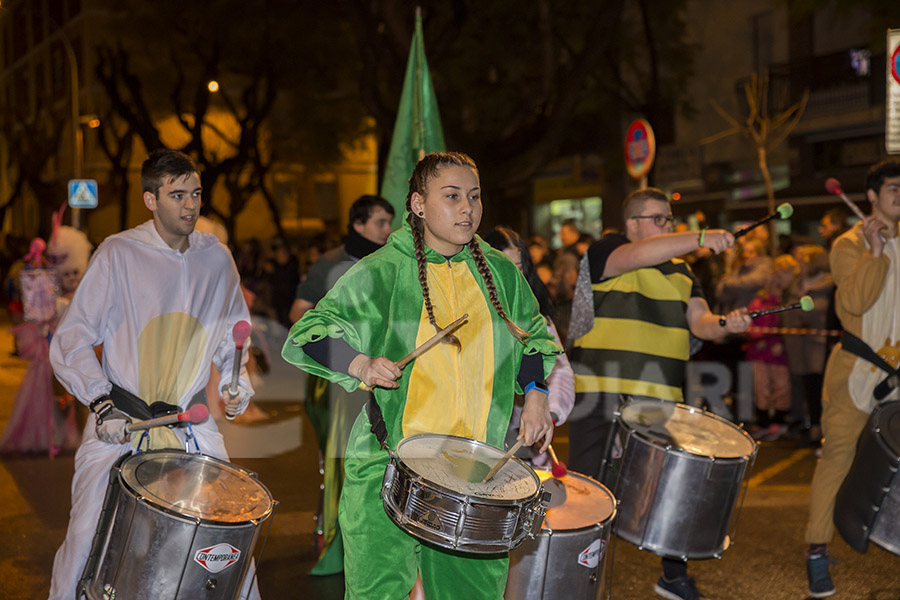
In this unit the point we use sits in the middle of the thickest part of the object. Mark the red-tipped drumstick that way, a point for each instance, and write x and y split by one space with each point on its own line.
833 186
240 332
195 414
558 470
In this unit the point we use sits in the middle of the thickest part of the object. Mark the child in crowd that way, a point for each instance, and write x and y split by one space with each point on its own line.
765 351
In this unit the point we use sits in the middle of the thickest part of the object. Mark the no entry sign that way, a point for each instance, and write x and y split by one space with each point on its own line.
640 148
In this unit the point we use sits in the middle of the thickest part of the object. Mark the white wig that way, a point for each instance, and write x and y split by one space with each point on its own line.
69 250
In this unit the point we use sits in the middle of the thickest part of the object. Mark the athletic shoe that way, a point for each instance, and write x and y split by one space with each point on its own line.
682 588
775 432
758 433
817 563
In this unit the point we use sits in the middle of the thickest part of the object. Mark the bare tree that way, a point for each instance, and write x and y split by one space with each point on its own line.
762 130
32 142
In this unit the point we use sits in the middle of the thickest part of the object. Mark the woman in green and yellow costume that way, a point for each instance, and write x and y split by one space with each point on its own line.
431 272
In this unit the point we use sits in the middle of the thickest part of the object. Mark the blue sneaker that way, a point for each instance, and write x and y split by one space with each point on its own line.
817 562
682 588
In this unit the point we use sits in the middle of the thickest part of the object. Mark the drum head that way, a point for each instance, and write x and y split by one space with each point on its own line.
576 501
196 486
459 464
686 428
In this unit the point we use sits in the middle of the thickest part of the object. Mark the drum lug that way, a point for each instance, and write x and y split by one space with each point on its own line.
388 478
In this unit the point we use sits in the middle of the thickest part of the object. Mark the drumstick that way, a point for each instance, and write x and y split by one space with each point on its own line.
430 343
195 414
503 459
425 346
558 470
240 332
806 304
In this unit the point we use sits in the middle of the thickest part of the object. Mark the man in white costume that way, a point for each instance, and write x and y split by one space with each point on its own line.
162 299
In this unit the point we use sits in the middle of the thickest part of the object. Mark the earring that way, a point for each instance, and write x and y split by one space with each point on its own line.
421 213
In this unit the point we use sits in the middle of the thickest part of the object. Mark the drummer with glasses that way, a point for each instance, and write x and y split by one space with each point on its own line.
635 308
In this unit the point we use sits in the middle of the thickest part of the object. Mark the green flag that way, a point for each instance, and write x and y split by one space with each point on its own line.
417 130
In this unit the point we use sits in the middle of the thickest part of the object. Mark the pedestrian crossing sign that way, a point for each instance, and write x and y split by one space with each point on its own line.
83 193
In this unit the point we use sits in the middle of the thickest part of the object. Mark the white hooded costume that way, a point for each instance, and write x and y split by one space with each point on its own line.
163 317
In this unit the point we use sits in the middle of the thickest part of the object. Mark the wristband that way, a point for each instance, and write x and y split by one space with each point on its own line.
102 406
96 402
702 236
535 386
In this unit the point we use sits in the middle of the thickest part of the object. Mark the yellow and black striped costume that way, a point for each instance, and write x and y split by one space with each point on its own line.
640 342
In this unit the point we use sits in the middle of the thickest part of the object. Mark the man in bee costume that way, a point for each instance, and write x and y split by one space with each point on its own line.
431 272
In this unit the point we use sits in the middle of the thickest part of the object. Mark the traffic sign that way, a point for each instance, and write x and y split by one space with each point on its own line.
640 148
892 94
83 193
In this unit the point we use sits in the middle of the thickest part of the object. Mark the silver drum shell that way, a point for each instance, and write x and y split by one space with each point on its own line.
148 551
454 520
675 503
548 567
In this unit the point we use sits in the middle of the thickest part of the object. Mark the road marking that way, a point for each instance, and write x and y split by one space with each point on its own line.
782 465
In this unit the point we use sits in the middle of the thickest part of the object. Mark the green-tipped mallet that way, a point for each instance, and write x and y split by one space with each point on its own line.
784 211
805 304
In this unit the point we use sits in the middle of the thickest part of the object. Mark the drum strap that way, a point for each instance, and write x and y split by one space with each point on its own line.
136 408
856 346
376 422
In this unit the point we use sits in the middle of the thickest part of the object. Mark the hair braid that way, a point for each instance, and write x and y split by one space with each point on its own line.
422 265
485 272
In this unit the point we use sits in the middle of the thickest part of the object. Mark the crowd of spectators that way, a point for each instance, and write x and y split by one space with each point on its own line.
748 275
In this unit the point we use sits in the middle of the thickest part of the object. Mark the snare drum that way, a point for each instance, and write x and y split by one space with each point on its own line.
175 525
567 559
867 506
678 473
432 489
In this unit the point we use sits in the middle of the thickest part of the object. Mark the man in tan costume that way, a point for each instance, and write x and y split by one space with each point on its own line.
865 263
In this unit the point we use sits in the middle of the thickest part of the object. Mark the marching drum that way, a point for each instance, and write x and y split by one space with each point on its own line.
567 559
678 473
867 506
432 489
175 525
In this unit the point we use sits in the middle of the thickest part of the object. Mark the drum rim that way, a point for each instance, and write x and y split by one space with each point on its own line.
472 498
142 498
754 445
609 521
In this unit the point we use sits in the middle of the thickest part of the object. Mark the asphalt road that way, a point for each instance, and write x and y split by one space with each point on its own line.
765 561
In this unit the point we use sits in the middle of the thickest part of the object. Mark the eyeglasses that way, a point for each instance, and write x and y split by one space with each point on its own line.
658 220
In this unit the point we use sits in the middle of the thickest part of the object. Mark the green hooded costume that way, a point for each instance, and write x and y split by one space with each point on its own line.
378 309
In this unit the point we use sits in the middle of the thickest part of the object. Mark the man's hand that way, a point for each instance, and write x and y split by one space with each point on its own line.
871 226
737 321
235 405
111 422
718 240
379 371
536 424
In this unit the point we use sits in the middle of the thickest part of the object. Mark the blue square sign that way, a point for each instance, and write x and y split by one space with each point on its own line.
83 193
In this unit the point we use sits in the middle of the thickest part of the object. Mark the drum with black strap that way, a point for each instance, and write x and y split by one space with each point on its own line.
867 506
433 490
175 525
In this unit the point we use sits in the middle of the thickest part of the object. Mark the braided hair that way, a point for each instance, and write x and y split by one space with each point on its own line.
426 169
